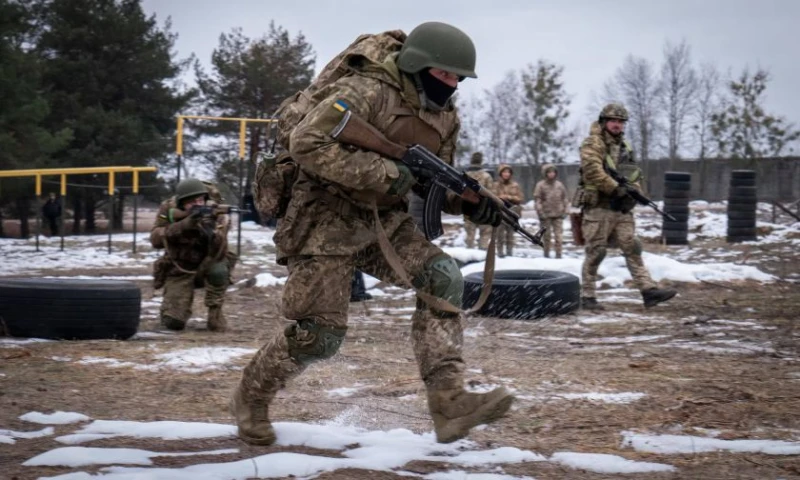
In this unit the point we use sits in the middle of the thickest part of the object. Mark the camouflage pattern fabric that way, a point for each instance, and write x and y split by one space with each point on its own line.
510 191
485 179
318 288
555 230
601 225
550 196
189 254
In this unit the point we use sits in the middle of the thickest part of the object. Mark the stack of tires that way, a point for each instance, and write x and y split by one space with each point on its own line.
742 202
676 203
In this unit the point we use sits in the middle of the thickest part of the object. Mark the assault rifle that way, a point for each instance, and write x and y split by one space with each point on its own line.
437 176
207 211
636 194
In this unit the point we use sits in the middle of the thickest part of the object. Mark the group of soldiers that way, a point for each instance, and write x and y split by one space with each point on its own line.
348 206
551 201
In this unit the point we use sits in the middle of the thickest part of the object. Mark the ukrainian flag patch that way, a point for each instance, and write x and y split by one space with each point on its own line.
340 105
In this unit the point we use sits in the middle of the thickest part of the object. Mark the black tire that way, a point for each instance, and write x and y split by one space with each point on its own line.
742 204
677 209
680 218
676 195
677 176
677 186
742 192
741 232
676 241
676 202
525 294
69 309
742 223
743 174
741 215
743 182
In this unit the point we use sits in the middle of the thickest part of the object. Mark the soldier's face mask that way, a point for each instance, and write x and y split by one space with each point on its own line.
438 89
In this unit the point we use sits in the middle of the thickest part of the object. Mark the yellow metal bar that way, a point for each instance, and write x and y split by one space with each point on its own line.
204 117
63 184
38 185
242 136
179 139
71 171
135 183
111 183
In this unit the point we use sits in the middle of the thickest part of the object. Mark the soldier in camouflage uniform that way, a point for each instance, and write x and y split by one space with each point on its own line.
607 209
329 230
509 190
195 255
552 205
485 179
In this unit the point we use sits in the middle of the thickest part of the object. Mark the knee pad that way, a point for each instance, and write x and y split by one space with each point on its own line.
310 342
442 278
217 274
633 247
597 254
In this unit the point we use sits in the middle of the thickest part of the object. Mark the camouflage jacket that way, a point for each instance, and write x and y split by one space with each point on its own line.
550 196
317 221
509 190
601 148
186 242
483 177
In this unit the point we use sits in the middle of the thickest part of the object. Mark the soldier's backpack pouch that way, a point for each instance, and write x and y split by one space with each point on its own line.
272 189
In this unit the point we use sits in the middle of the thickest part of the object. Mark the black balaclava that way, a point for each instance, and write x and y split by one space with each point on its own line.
435 91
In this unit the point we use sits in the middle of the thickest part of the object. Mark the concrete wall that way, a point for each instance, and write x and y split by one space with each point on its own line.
778 179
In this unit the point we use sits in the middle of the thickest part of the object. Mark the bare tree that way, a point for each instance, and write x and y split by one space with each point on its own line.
636 86
470 137
500 120
677 95
709 101
543 112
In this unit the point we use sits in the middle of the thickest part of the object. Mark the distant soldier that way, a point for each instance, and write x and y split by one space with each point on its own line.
552 205
509 190
51 211
607 208
483 177
194 238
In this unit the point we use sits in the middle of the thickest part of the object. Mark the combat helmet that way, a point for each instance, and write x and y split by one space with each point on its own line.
191 187
613 110
438 45
477 159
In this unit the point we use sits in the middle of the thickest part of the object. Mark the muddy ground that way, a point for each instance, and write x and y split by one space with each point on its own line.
721 356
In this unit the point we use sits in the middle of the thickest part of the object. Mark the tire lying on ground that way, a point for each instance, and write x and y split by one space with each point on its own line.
525 294
69 309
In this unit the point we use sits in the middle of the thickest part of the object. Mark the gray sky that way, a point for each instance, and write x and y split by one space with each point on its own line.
590 38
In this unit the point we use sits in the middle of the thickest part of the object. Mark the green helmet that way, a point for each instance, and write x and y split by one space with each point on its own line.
477 158
438 45
191 187
614 110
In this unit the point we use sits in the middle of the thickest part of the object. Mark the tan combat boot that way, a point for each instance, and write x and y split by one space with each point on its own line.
216 320
252 418
456 411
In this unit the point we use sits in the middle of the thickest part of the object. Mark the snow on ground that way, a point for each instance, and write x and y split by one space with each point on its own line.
615 272
269 280
55 418
10 436
360 448
677 444
191 360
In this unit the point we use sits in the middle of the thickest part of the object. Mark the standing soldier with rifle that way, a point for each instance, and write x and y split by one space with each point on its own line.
485 179
348 208
193 231
607 203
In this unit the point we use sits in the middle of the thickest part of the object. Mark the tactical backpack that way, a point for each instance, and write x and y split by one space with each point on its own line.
275 174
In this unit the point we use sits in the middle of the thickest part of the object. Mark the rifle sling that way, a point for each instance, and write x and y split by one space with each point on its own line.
435 302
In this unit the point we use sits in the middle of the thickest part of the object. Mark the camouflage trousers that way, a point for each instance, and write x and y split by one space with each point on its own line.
485 232
179 290
555 228
601 226
318 289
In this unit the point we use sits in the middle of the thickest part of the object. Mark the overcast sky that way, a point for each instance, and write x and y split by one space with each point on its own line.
590 38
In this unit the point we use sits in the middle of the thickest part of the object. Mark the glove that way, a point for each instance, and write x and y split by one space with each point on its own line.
483 213
403 183
619 192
